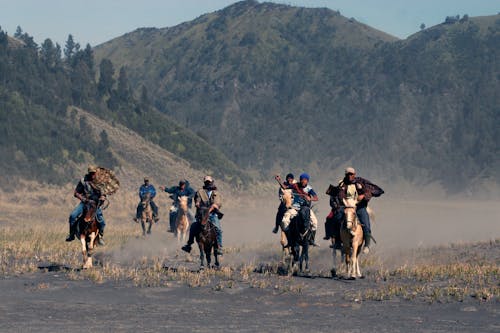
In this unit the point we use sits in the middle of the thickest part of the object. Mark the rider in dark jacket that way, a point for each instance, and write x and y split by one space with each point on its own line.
183 189
86 190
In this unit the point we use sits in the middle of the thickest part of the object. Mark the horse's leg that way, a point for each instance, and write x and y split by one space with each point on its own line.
143 225
84 250
334 268
305 249
357 270
284 251
209 256
202 253
216 259
150 224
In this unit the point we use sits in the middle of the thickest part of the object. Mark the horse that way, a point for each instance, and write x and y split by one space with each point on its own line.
147 214
286 199
207 240
297 232
88 228
351 234
181 220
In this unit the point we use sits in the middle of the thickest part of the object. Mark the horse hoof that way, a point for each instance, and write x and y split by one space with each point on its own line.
361 277
334 273
351 278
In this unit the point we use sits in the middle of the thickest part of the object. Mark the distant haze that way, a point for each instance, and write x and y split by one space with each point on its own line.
95 21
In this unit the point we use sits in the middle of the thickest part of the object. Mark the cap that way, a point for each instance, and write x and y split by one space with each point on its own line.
208 179
304 176
182 182
290 175
146 179
350 170
92 168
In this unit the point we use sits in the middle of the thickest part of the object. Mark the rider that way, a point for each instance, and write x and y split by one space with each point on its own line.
143 190
183 189
86 190
207 198
350 188
334 219
303 197
287 184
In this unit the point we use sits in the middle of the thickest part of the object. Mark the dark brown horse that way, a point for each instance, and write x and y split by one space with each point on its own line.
89 231
207 240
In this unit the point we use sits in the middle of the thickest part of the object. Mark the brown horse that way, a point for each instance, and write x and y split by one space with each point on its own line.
351 234
89 232
147 214
181 220
207 240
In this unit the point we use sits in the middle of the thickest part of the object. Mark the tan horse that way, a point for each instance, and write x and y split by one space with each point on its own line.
182 221
89 232
287 199
147 214
351 234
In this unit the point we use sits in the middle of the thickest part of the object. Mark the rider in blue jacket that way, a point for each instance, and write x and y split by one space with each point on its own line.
143 190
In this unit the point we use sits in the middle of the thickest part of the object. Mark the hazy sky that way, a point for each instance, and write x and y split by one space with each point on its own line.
97 21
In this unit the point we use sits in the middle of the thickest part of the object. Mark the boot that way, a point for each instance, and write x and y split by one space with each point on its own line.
100 240
368 237
275 230
136 220
72 231
186 248
156 219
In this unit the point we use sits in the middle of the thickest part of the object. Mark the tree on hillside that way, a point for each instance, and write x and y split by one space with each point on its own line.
69 48
19 32
422 26
49 53
123 89
106 80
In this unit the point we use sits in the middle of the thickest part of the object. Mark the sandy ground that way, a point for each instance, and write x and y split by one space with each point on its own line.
49 301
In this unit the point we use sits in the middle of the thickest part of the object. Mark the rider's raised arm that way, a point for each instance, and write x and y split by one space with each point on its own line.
172 189
312 195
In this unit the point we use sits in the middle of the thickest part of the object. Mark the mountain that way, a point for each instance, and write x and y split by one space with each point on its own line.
41 140
278 87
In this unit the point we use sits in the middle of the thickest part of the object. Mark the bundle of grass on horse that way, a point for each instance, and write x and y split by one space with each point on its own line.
147 214
182 220
296 227
88 230
207 239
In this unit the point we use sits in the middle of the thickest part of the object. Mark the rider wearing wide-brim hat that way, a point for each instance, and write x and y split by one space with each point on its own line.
209 198
351 188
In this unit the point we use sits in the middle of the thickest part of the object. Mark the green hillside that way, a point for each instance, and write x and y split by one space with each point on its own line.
280 87
40 140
